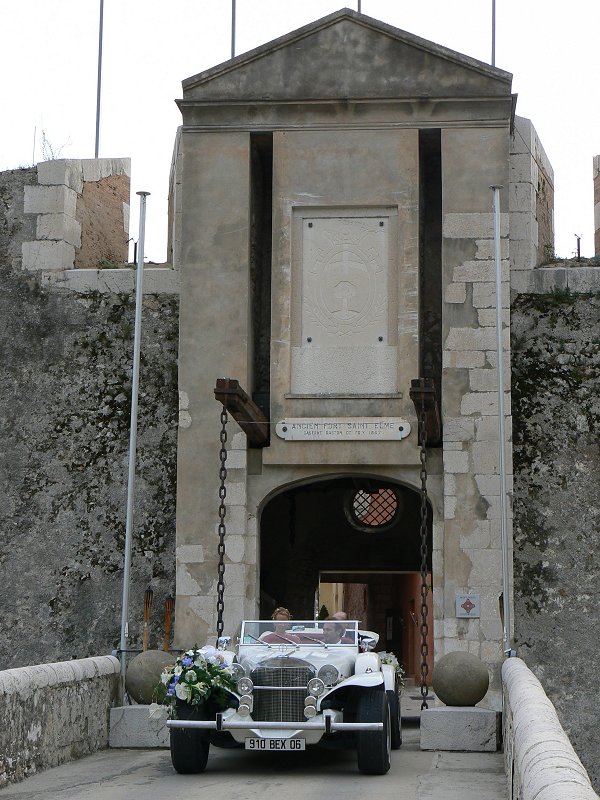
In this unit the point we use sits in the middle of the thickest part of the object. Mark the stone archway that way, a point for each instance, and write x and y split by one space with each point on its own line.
361 531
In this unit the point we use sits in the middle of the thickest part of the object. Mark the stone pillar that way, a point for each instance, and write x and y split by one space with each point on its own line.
472 160
215 286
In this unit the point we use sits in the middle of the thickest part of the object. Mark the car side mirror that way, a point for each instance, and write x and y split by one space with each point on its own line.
223 642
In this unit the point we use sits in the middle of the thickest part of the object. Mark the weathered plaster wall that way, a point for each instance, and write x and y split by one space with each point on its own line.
52 713
556 418
65 375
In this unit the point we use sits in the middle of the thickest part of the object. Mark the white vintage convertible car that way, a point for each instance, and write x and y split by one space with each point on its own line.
298 684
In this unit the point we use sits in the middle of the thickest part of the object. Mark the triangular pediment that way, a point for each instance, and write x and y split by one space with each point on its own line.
347 55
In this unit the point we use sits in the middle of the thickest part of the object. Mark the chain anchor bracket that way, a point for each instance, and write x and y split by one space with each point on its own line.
244 410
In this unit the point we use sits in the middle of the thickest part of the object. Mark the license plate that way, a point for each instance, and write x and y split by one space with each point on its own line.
275 744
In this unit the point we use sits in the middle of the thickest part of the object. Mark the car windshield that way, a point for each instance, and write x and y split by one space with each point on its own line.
300 632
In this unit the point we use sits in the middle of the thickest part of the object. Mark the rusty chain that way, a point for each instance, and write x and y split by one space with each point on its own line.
222 527
424 628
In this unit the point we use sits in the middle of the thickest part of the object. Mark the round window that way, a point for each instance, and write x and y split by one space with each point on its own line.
372 511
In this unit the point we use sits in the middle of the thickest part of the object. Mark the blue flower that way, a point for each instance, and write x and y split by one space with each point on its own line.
186 661
171 690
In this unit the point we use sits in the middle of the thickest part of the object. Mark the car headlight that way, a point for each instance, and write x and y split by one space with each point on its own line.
237 671
316 687
329 674
245 686
310 711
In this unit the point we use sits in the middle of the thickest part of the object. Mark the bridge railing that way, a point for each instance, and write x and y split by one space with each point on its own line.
541 763
52 713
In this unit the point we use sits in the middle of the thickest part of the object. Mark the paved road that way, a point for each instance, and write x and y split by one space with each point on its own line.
237 775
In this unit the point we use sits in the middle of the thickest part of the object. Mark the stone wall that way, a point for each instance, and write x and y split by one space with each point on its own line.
556 418
65 384
52 713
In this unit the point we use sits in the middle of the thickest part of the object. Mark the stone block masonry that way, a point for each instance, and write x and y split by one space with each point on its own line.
81 209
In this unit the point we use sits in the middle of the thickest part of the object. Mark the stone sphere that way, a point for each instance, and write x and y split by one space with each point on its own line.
460 679
143 673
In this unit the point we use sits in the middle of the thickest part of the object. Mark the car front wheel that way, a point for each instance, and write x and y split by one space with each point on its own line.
189 750
373 747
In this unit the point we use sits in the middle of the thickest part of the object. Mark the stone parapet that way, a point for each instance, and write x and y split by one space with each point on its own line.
52 713
157 280
537 751
579 280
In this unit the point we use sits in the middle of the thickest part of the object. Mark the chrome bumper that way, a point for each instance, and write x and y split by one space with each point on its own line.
327 725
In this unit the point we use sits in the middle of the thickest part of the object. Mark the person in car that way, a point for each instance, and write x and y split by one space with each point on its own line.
333 631
282 619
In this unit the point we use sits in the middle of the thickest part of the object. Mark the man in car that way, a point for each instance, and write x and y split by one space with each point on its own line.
333 631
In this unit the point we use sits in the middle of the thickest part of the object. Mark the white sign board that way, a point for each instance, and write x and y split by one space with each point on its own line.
468 606
348 429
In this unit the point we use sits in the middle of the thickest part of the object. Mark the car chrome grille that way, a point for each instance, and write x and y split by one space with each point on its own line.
280 704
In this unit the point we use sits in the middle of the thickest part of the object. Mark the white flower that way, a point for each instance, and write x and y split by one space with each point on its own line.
165 677
155 711
183 691
178 669
189 652
190 676
200 662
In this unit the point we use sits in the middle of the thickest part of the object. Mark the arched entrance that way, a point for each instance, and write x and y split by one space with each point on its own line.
352 543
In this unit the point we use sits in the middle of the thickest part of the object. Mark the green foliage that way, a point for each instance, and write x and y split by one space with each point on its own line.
323 613
106 263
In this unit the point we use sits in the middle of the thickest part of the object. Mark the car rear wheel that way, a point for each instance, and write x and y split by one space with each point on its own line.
395 720
373 747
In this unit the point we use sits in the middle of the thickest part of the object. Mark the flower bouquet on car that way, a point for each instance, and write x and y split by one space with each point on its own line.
391 659
199 677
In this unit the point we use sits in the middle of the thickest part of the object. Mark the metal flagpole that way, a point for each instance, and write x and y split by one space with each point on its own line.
100 32
501 431
233 28
139 278
493 33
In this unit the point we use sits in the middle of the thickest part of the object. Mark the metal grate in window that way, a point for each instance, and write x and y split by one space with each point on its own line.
376 509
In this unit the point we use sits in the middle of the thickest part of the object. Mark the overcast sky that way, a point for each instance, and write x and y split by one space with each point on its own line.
48 64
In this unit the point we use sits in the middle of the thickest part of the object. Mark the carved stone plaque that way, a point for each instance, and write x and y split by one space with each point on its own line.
344 286
344 305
